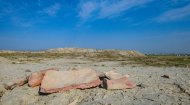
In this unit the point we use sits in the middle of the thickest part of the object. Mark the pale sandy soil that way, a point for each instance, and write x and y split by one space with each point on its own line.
153 89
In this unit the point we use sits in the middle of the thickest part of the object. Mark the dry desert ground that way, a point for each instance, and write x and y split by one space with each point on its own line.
156 84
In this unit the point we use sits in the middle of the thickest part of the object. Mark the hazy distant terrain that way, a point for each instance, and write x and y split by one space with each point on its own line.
145 70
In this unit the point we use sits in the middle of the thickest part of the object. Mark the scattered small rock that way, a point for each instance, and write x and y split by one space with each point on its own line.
16 62
73 69
27 70
15 83
166 76
142 85
1 93
74 102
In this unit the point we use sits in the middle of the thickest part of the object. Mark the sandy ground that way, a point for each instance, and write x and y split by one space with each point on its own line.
152 88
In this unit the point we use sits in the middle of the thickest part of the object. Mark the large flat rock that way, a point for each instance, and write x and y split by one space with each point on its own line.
122 83
56 81
35 78
114 75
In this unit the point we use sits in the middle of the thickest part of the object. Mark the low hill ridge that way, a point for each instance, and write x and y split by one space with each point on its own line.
85 52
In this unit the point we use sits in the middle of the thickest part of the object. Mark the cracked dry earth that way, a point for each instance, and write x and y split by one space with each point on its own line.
152 89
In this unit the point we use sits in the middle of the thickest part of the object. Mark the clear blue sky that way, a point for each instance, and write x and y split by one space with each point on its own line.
149 26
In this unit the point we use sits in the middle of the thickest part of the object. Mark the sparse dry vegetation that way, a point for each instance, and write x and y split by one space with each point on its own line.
149 60
160 61
35 57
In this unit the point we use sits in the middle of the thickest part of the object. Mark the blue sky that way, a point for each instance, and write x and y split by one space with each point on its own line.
149 26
